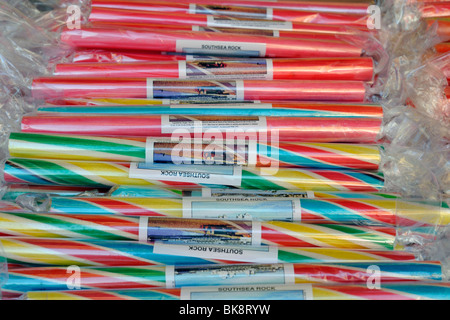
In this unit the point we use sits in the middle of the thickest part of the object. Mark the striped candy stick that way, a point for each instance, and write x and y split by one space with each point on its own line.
142 277
103 174
394 211
95 148
266 109
129 191
66 252
216 231
401 291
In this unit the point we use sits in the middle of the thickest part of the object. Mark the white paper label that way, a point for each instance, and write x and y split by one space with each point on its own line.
200 124
226 69
223 106
261 254
232 274
199 174
213 21
250 292
207 231
208 193
246 208
224 48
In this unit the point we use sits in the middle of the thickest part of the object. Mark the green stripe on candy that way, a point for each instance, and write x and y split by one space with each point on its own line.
85 231
254 181
50 171
369 237
149 274
85 144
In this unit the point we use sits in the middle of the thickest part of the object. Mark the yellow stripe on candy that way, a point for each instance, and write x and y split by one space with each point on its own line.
43 151
341 255
110 174
23 227
167 207
53 295
317 235
297 179
29 253
325 294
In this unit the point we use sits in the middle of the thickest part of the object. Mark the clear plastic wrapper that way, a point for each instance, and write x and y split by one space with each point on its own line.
261 129
214 231
358 69
394 212
247 108
425 88
403 291
415 161
142 277
104 174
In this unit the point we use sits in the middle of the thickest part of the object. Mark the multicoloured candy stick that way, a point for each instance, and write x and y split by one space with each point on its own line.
127 191
104 174
142 277
401 291
213 231
284 108
124 149
266 109
66 252
395 212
